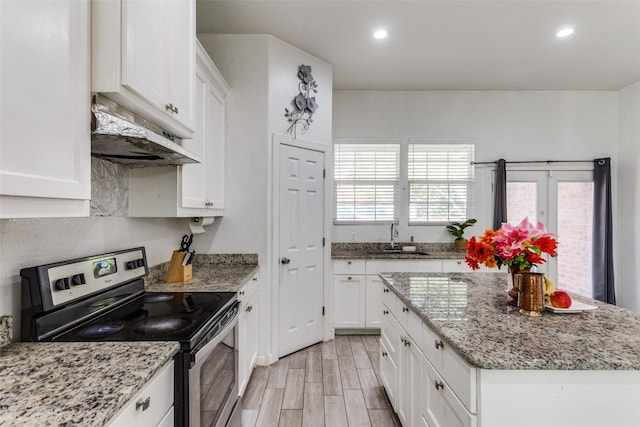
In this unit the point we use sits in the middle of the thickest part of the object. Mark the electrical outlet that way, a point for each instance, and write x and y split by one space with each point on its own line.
353 236
6 330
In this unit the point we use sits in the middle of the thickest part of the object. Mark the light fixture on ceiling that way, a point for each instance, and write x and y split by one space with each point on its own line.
565 32
380 34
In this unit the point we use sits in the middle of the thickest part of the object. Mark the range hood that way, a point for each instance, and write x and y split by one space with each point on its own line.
120 136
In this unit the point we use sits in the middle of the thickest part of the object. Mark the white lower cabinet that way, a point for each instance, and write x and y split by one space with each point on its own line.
357 298
421 394
151 406
247 332
349 296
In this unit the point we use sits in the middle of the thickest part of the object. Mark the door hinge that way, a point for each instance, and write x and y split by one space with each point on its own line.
323 239
323 310
324 173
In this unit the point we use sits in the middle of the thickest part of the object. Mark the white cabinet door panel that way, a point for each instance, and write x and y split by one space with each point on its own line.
373 302
349 301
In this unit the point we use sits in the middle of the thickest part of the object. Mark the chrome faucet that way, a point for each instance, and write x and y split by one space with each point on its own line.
394 234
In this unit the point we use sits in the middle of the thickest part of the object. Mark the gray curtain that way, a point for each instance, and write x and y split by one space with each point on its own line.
603 284
500 201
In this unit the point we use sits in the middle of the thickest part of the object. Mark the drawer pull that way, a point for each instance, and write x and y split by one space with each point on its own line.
255 279
384 354
439 385
249 308
407 343
385 312
241 293
439 344
348 262
385 290
405 309
349 277
144 404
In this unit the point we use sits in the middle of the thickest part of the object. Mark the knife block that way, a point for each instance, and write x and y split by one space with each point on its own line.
176 272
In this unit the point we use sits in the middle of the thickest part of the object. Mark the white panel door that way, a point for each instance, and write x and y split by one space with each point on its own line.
301 252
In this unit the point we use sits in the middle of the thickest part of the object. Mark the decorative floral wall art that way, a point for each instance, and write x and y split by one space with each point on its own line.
303 105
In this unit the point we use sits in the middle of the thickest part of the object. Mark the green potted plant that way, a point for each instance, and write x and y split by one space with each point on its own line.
457 230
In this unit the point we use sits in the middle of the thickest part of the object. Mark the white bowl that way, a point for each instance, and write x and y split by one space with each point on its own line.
408 248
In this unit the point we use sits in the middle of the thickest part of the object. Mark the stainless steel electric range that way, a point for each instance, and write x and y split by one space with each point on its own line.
102 298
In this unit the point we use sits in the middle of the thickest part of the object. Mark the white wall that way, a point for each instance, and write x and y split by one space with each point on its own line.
509 125
627 224
262 72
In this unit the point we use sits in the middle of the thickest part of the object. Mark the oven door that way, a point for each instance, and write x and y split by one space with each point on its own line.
213 386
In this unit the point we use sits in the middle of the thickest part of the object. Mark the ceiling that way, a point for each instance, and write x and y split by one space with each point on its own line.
450 45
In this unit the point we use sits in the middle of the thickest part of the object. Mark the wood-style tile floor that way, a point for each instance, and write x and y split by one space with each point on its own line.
332 384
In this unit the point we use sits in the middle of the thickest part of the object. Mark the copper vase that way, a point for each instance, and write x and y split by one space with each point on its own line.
530 293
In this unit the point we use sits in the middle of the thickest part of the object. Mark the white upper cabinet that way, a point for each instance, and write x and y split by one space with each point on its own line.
144 59
193 189
45 159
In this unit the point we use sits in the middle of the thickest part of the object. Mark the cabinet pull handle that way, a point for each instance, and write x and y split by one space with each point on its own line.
385 290
385 312
407 343
404 309
144 404
439 344
439 385
249 308
255 279
241 293
349 277
348 262
384 354
402 340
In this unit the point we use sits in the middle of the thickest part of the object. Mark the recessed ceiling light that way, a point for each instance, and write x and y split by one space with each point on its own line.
380 34
565 32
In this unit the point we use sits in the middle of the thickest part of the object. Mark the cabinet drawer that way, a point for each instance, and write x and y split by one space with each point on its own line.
249 289
349 267
460 376
158 392
455 266
440 406
390 335
404 266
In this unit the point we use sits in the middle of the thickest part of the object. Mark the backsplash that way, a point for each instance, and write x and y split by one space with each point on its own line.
109 188
6 330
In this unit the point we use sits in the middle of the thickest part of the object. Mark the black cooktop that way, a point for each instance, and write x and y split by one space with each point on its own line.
181 317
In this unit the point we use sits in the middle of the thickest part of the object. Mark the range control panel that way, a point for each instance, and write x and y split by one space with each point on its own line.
82 277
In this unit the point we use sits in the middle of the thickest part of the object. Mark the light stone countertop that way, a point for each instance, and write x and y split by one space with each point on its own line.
374 251
211 273
469 311
75 384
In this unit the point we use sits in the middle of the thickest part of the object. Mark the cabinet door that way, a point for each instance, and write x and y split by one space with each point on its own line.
373 311
247 340
214 148
45 163
439 406
409 386
388 374
193 181
145 50
181 60
349 301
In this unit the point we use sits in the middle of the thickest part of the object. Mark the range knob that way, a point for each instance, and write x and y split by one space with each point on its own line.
140 262
78 279
62 284
131 265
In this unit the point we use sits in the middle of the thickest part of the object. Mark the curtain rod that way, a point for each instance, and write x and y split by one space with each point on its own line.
535 161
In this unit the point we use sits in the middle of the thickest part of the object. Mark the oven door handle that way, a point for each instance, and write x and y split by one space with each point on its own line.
204 351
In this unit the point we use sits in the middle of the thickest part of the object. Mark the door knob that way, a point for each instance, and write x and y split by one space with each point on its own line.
285 261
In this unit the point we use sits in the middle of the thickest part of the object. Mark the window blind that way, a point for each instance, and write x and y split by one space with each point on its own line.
440 182
366 178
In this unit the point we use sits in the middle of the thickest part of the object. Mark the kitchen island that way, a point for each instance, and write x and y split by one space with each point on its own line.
489 365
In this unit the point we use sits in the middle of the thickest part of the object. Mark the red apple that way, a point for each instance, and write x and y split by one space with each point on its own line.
560 299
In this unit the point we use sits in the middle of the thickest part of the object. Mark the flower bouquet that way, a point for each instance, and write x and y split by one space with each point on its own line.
520 247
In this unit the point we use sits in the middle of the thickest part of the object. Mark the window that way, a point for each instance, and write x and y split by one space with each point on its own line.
366 182
440 182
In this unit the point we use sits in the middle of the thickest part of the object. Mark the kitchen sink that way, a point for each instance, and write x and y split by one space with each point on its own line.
397 252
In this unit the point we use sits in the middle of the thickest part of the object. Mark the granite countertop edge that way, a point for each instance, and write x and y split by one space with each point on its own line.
478 357
407 255
63 383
